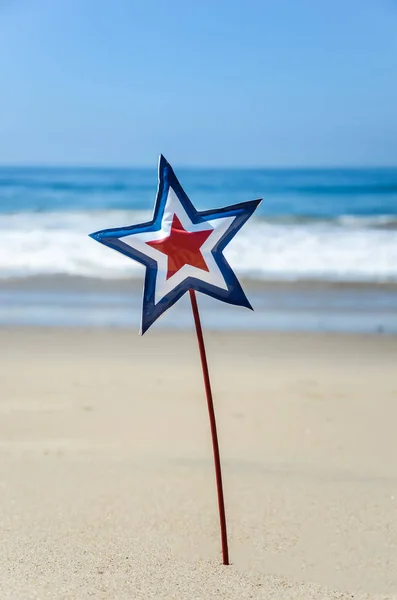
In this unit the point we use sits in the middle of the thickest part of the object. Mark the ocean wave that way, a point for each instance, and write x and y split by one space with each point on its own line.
79 219
318 182
344 190
378 221
347 249
64 186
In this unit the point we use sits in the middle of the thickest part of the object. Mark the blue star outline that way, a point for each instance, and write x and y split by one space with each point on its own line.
150 309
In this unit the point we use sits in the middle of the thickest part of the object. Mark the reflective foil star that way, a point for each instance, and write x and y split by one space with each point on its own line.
181 248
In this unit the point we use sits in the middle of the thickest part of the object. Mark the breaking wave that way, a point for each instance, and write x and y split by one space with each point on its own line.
346 248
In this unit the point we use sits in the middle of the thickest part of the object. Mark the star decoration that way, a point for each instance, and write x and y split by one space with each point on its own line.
181 248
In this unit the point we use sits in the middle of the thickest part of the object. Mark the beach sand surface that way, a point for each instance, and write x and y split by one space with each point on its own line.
106 474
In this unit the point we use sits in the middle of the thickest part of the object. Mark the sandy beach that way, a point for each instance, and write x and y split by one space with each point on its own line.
106 473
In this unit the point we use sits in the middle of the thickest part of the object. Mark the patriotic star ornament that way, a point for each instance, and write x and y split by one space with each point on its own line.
181 248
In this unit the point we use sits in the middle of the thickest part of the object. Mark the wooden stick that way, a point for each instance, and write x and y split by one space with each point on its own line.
215 445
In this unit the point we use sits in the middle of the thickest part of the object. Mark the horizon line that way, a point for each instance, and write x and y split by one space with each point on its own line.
130 166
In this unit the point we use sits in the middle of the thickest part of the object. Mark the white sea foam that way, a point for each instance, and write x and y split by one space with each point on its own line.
58 243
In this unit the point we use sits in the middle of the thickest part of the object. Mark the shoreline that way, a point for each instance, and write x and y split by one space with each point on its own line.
278 306
163 333
81 283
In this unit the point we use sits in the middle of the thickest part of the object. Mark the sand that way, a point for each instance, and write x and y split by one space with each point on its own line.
106 475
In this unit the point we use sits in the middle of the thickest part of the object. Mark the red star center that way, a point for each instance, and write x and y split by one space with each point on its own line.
182 247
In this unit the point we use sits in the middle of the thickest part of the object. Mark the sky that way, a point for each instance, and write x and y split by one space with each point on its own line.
206 82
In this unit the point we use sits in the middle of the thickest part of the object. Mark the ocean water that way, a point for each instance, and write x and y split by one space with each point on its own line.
332 225
327 237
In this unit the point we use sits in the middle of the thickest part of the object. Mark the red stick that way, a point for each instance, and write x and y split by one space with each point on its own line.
215 445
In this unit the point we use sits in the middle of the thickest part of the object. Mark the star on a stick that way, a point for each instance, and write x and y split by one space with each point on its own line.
181 248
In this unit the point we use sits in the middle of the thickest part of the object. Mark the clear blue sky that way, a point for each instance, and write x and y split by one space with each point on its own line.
205 82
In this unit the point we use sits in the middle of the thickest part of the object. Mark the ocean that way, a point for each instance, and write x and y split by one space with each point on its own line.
323 233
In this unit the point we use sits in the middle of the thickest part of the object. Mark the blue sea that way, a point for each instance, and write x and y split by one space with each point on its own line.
322 240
